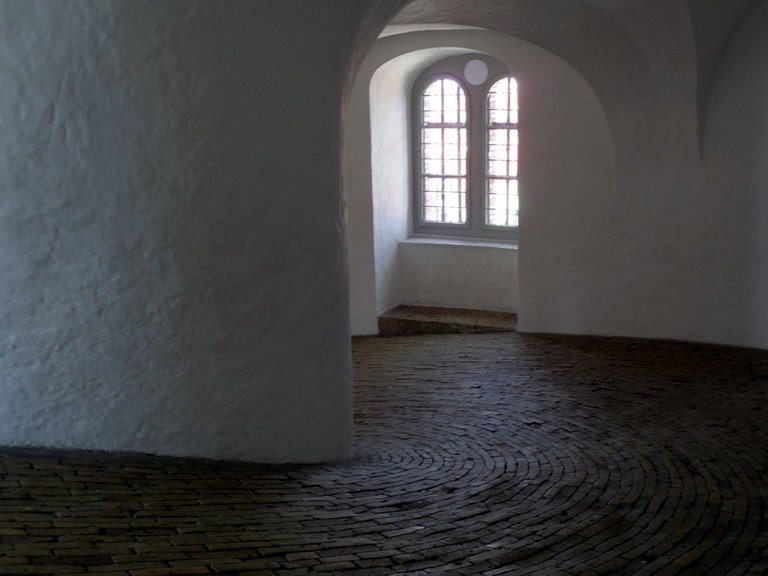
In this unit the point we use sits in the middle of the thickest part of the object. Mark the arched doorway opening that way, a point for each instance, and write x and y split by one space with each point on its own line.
567 146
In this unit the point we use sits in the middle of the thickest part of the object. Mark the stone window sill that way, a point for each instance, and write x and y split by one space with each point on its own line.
468 242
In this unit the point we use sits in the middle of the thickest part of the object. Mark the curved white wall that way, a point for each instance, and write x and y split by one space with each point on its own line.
613 263
172 257
679 250
732 288
377 177
389 147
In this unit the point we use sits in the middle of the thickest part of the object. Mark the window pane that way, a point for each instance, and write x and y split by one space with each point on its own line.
502 102
431 199
497 137
432 166
432 117
433 184
455 167
431 214
497 168
497 152
446 97
502 152
447 204
501 200
431 135
452 137
498 116
444 153
450 109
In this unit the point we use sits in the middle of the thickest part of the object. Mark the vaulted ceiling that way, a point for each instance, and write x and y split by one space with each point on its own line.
582 30
714 22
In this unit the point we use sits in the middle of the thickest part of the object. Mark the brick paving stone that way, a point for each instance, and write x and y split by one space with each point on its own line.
167 571
334 567
474 454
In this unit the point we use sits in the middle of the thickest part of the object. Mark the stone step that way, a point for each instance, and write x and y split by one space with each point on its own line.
405 320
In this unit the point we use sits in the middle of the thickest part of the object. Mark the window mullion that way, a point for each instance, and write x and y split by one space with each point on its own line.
475 162
442 174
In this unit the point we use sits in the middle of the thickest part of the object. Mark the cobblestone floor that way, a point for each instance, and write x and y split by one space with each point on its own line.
475 454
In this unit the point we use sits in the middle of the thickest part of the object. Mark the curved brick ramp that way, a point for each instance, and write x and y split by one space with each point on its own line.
482 454
571 455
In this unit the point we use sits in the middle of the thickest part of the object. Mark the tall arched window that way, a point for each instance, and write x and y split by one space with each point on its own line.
501 206
466 149
444 153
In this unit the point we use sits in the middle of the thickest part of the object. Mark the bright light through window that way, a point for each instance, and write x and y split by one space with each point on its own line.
444 153
502 155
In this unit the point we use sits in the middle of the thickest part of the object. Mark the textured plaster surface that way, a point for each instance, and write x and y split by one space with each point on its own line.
733 207
376 158
458 275
356 162
666 258
390 176
714 24
162 225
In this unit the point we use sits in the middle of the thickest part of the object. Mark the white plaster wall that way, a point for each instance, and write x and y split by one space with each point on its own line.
172 257
624 263
458 275
732 212
567 196
376 156
390 164
679 250
356 162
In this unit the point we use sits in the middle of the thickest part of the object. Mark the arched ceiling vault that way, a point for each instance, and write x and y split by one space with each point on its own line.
715 24
577 31
595 36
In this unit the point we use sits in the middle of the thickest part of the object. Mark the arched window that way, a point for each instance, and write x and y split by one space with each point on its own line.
501 205
444 153
466 149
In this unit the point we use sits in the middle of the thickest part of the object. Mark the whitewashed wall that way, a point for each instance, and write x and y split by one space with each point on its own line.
456 274
377 221
731 214
618 263
390 177
679 250
171 249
